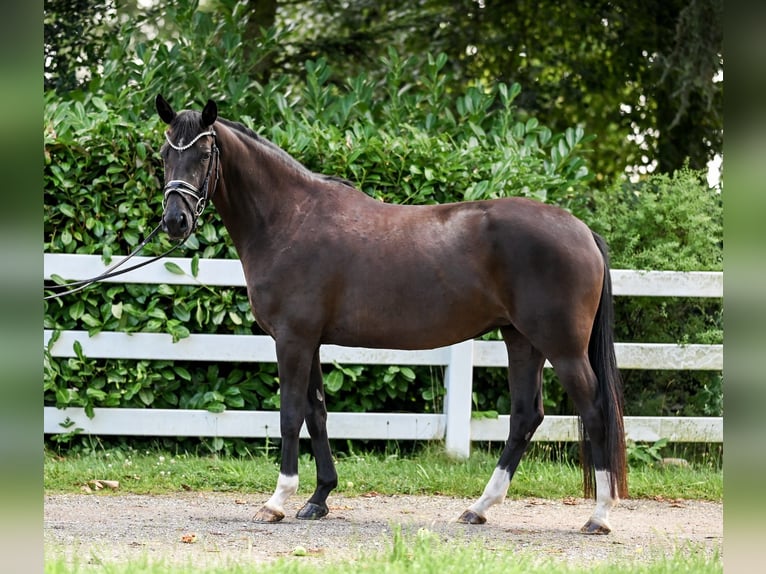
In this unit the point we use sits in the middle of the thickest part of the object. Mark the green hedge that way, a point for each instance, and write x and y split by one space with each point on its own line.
405 139
672 222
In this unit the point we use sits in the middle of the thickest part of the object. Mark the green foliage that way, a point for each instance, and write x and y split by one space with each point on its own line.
663 222
640 453
408 551
75 34
616 68
670 222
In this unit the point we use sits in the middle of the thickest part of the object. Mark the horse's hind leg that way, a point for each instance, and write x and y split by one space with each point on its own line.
316 423
525 365
580 382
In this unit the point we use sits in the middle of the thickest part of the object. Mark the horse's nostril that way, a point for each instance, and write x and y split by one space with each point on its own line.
176 223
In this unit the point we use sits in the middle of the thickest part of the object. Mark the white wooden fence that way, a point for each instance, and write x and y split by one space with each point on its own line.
455 426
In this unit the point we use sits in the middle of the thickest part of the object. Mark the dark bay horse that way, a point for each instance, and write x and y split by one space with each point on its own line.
326 263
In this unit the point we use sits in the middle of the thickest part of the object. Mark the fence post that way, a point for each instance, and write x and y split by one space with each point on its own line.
457 403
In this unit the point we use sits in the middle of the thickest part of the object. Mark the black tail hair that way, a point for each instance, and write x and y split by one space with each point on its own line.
609 395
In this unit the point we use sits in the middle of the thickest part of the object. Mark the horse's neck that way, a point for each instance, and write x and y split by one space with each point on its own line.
259 194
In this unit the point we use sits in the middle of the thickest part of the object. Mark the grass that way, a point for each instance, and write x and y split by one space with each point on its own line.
428 472
421 552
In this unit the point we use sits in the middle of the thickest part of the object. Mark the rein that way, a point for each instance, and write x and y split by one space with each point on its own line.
179 186
76 286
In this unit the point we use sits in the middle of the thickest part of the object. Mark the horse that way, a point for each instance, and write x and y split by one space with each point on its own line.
325 263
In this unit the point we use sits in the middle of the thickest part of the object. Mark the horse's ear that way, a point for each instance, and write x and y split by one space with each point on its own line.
209 113
163 108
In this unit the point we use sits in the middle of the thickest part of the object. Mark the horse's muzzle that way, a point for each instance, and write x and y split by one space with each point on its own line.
176 225
176 220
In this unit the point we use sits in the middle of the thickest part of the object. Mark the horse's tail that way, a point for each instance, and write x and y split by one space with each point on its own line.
609 395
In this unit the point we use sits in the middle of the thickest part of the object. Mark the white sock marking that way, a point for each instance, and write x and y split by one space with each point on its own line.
286 487
494 492
604 500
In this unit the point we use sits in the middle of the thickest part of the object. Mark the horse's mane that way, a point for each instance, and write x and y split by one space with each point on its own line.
188 124
281 154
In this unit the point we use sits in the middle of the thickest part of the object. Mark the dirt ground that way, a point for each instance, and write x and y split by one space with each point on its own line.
216 529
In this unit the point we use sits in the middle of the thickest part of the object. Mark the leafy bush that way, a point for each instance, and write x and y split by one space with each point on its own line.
670 222
664 222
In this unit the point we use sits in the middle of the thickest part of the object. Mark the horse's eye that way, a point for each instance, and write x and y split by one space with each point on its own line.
205 156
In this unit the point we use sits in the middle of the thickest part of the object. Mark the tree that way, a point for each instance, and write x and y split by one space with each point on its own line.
637 75
75 36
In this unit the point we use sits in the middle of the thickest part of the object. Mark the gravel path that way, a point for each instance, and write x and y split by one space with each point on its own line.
116 527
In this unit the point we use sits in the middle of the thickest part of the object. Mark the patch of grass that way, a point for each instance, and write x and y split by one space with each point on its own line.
429 471
422 552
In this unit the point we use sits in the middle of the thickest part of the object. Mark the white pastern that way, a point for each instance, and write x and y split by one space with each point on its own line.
604 500
494 492
286 487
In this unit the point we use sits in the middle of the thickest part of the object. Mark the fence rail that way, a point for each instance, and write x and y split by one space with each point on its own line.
455 426
228 272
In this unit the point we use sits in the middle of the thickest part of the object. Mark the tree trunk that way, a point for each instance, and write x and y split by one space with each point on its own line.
263 15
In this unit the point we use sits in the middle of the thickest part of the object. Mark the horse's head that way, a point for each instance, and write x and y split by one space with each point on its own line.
190 155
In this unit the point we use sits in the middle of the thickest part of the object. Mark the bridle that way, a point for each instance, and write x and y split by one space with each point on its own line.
186 189
179 186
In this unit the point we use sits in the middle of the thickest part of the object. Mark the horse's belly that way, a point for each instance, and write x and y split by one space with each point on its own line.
415 323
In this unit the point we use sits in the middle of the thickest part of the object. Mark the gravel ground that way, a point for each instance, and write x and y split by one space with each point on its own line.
114 527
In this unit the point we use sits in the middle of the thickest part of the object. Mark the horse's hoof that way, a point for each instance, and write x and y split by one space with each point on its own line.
311 511
266 514
470 517
592 527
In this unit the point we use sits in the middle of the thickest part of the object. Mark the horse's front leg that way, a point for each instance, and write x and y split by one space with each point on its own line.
316 422
294 360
